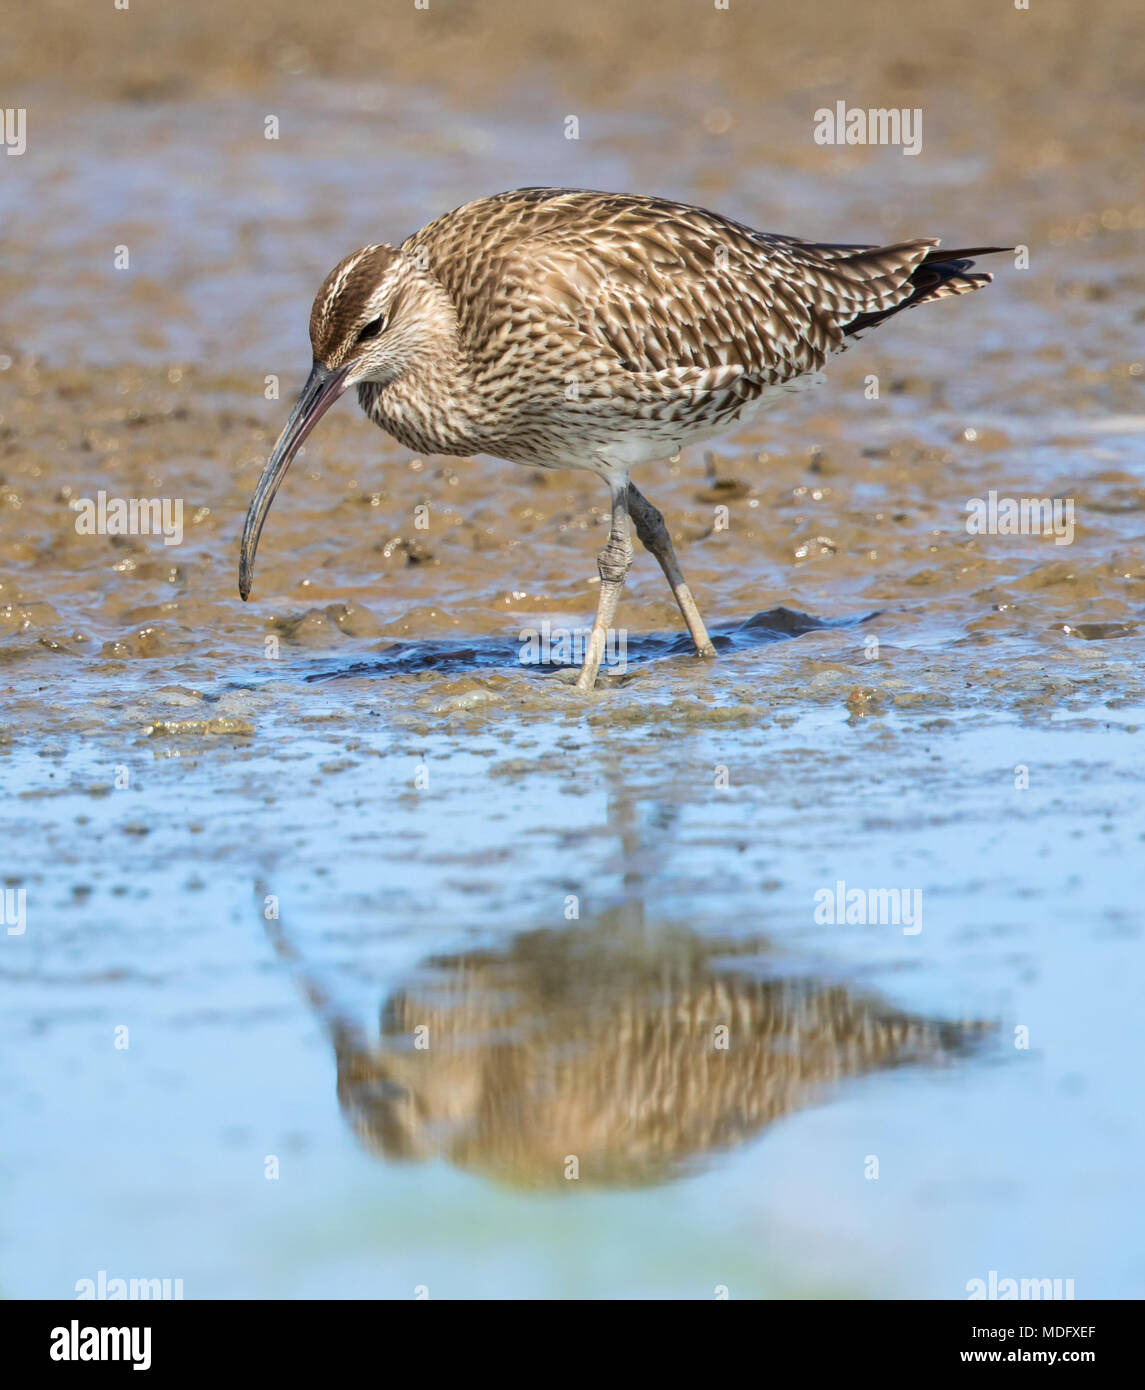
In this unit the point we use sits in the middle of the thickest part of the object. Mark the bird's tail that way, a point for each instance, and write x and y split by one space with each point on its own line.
937 275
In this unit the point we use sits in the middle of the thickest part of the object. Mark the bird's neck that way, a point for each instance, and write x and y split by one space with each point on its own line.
427 406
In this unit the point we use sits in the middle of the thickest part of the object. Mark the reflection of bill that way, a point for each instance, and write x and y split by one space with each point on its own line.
631 1052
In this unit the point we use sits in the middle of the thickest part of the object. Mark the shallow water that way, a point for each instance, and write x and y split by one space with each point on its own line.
273 841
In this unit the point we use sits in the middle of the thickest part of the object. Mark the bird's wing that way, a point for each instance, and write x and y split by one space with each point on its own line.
620 283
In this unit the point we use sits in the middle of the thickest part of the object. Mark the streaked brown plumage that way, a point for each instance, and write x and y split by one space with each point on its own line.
573 329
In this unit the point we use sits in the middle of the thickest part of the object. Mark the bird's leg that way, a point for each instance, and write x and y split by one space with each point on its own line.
612 564
654 537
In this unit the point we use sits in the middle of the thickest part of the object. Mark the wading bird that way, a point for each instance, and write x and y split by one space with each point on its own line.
573 329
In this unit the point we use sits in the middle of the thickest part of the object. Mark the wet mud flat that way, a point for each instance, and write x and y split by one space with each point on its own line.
419 813
274 841
274 904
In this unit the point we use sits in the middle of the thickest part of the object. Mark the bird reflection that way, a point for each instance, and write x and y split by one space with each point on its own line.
615 1050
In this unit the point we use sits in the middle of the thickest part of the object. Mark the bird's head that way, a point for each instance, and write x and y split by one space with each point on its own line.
377 314
368 318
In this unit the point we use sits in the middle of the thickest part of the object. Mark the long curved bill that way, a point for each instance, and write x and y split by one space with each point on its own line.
322 389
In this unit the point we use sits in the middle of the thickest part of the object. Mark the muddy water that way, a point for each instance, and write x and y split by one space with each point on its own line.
272 842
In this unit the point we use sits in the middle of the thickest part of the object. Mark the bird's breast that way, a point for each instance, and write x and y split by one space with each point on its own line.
422 420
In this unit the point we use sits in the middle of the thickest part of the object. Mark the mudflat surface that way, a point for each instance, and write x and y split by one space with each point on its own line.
275 840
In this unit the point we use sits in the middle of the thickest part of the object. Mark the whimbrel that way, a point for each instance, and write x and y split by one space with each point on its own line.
571 329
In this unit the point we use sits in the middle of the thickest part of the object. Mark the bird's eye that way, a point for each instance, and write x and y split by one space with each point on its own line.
371 330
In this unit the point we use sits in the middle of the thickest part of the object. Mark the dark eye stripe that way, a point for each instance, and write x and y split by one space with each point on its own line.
371 330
